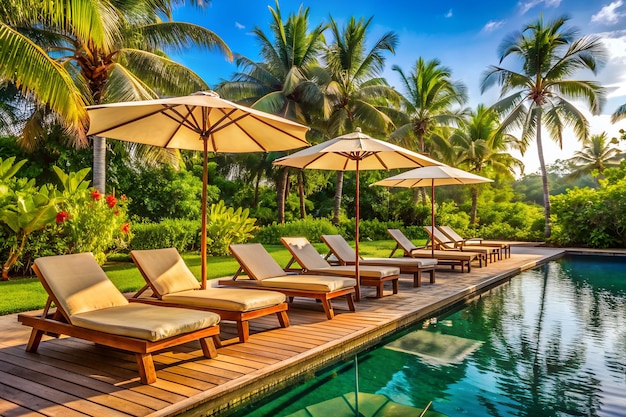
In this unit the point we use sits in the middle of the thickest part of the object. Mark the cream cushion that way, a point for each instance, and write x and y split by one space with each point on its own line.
78 283
231 299
144 321
314 283
166 270
400 262
257 262
365 271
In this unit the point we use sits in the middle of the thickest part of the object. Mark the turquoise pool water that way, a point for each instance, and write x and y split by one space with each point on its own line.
551 342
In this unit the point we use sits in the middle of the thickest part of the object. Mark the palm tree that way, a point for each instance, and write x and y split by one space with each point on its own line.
287 81
358 95
68 54
539 92
596 155
481 147
427 103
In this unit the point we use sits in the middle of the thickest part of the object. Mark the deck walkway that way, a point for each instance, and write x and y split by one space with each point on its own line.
71 377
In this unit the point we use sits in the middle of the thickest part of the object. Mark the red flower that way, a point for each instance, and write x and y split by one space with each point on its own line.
117 212
62 216
125 228
111 201
95 194
123 197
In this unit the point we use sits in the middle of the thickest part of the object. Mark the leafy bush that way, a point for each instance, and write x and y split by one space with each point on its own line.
368 229
310 228
181 234
225 226
591 217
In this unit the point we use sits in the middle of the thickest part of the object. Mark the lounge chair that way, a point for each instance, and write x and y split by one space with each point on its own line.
345 255
312 262
90 307
444 257
173 285
264 273
452 235
441 241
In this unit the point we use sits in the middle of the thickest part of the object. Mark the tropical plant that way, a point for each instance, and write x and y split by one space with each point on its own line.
356 91
24 208
68 54
482 148
596 155
226 226
550 54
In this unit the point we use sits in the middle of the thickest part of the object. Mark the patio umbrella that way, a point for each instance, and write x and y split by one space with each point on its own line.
354 152
432 176
201 122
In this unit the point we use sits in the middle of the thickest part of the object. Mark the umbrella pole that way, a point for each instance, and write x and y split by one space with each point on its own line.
356 238
432 218
205 181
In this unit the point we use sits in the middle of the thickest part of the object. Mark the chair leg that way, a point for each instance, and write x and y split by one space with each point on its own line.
208 346
328 308
432 276
417 278
283 318
394 283
379 290
243 330
145 365
350 301
34 340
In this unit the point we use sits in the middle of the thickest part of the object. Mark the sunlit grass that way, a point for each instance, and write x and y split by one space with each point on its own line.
25 294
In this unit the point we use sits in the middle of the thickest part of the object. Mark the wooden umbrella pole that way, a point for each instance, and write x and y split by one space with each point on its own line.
432 218
356 238
205 180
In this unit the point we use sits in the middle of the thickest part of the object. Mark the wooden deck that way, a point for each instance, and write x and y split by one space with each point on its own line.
71 377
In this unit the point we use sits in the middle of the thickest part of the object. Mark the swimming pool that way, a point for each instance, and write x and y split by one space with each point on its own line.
551 342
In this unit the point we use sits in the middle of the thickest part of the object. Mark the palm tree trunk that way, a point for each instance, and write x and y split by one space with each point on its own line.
544 180
338 193
301 194
281 194
474 194
99 163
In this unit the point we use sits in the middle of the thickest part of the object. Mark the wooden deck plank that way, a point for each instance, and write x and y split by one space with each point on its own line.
85 379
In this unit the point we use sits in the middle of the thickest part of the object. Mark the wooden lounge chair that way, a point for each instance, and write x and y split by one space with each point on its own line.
441 241
452 235
264 273
444 257
312 262
347 256
89 307
174 285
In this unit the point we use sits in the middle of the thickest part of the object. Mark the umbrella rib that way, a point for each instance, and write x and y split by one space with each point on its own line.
143 116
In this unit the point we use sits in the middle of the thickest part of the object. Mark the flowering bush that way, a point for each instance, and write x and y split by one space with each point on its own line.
88 221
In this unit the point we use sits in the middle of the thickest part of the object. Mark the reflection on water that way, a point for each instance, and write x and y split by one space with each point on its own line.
552 342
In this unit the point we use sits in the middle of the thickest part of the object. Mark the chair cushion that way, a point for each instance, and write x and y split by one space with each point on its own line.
78 283
400 262
309 283
369 271
231 299
256 261
305 254
166 270
147 322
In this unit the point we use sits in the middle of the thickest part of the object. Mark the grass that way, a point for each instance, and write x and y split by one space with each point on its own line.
26 293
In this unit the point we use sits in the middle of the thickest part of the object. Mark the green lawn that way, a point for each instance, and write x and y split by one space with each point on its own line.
25 294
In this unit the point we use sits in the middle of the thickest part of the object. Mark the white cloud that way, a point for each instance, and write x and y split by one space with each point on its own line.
527 5
609 15
449 14
239 25
493 25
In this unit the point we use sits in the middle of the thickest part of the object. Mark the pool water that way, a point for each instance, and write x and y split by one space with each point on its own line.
551 342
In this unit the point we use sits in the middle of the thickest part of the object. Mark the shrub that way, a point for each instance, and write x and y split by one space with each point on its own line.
310 228
181 234
368 229
226 226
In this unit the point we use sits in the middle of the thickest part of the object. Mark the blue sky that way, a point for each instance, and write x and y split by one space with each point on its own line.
463 35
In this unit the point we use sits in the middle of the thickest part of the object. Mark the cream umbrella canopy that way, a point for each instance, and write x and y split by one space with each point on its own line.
354 152
201 122
432 176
